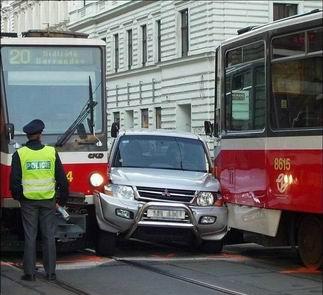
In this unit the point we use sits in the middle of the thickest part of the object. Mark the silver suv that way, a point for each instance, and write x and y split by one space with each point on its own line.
161 189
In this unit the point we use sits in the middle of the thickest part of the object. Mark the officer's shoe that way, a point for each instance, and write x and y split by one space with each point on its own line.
51 277
29 278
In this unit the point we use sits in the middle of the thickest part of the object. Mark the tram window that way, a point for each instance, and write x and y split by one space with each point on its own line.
234 57
41 79
260 98
290 45
315 40
245 88
297 97
253 52
245 100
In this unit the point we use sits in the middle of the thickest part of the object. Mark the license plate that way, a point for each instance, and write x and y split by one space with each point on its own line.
165 214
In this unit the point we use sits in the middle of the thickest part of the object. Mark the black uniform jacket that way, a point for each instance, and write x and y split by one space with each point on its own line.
16 175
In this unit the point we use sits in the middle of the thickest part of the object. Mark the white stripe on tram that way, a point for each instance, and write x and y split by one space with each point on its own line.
273 143
66 158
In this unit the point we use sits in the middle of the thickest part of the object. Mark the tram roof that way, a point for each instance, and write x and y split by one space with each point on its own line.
52 41
293 20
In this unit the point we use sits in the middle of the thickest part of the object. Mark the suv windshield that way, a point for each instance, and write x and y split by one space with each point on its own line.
161 152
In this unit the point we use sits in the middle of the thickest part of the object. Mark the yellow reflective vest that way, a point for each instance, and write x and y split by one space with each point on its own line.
38 172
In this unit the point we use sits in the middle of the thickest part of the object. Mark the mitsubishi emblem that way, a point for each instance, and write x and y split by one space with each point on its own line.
166 193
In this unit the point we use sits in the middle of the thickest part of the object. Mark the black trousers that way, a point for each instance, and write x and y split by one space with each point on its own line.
40 213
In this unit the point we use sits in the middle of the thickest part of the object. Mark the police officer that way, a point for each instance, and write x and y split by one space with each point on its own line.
36 173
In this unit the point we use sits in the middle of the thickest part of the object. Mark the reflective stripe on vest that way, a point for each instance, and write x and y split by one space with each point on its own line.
38 172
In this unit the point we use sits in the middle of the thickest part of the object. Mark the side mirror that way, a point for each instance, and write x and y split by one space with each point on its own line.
10 131
208 128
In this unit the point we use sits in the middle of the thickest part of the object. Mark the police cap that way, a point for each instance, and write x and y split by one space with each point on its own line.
34 127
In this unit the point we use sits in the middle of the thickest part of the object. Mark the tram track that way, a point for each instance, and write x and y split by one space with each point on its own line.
182 278
57 283
72 289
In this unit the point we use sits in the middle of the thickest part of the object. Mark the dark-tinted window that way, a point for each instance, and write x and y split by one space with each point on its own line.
158 117
116 52
144 118
158 40
184 32
144 44
282 10
129 34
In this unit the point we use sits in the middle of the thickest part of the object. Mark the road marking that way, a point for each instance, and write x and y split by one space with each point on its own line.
301 270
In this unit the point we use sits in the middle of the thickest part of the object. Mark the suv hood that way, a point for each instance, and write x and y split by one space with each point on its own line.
164 178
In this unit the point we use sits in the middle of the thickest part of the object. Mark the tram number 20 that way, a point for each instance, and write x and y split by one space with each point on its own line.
282 164
19 56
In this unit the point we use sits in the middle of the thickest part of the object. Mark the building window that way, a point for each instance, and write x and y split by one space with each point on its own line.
184 32
129 34
144 44
158 117
144 118
282 10
129 119
116 52
158 40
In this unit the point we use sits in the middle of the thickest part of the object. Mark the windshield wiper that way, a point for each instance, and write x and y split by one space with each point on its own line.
87 109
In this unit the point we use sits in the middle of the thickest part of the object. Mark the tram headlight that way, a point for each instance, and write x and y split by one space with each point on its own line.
205 199
96 179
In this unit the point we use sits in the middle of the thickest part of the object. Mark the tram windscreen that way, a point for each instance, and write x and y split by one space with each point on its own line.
51 83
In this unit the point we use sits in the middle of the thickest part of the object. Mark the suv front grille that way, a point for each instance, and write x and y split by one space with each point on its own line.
165 195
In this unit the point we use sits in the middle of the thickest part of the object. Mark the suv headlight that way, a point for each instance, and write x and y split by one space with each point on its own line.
205 199
120 191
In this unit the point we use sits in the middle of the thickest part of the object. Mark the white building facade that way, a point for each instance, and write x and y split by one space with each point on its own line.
160 54
20 15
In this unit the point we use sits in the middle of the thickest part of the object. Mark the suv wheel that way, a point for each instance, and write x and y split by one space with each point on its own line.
212 247
105 244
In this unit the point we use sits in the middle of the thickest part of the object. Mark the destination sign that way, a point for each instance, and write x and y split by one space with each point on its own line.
50 56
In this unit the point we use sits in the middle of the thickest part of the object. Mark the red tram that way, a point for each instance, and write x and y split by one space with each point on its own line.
58 77
268 127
